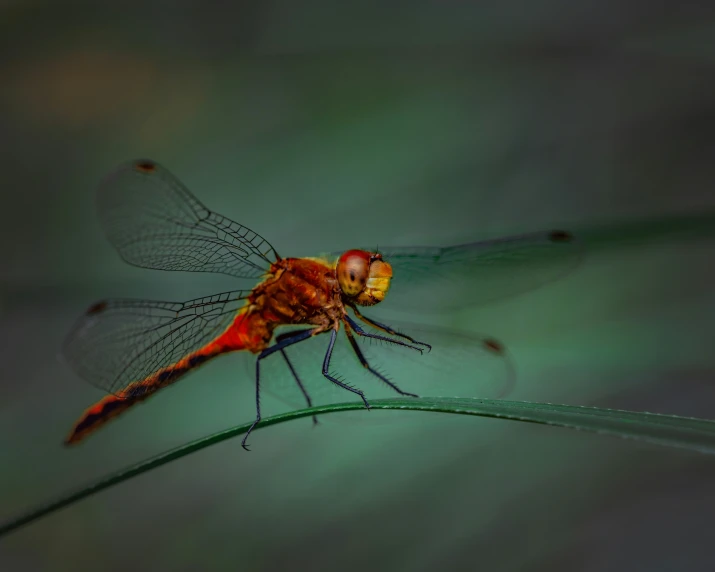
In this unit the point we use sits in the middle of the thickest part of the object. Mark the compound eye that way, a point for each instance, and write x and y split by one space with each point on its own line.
353 271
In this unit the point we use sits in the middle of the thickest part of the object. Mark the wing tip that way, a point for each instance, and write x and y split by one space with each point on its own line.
561 236
97 308
145 166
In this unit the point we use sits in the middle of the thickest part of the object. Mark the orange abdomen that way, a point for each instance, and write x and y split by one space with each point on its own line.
247 331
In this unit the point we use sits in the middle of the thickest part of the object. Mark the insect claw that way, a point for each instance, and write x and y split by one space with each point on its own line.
243 442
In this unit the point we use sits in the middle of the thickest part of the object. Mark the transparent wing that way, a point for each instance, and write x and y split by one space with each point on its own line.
435 278
121 341
460 364
154 221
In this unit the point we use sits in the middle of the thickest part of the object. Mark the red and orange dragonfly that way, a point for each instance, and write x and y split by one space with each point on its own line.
133 348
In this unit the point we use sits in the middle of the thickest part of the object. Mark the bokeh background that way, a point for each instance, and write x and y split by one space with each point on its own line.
320 125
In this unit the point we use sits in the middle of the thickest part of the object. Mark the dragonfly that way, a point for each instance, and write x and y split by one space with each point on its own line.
133 348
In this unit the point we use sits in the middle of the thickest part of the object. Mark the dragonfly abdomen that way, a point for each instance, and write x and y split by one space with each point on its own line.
113 405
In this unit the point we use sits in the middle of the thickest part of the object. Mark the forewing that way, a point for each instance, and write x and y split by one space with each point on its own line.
436 278
154 221
121 341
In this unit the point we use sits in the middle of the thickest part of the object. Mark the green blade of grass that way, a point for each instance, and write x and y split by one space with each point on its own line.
687 433
616 234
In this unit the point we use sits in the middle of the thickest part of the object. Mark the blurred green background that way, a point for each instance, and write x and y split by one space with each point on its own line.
324 125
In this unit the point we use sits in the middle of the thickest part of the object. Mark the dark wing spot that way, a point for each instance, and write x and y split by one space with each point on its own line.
96 308
352 276
560 236
145 167
493 345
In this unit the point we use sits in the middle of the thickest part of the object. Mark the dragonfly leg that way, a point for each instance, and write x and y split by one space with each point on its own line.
366 365
326 367
388 329
295 373
284 342
299 382
360 332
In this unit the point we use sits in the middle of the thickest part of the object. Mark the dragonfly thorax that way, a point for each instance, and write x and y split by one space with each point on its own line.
364 277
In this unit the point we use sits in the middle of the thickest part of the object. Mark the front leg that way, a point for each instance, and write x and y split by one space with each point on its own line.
360 332
366 365
387 329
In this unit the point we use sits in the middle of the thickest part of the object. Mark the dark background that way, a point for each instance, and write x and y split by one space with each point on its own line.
321 125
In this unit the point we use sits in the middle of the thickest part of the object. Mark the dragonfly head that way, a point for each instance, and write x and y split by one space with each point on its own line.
364 277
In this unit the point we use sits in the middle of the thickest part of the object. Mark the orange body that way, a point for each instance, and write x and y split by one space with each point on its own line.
296 291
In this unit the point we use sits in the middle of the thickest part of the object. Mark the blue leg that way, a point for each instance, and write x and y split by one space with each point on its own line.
300 383
326 368
283 341
360 332
366 365
295 373
388 329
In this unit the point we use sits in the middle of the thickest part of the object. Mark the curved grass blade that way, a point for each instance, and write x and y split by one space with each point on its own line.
689 433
